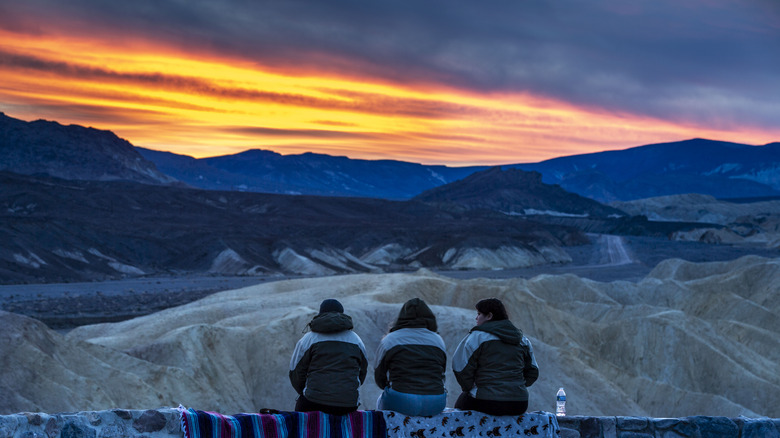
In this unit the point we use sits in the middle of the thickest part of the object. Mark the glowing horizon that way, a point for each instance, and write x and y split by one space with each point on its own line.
161 97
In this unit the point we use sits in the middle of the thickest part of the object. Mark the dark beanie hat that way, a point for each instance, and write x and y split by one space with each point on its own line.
331 305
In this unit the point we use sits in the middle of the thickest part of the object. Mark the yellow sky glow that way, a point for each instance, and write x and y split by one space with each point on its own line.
206 107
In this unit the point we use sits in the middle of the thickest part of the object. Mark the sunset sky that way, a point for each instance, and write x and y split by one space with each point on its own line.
435 82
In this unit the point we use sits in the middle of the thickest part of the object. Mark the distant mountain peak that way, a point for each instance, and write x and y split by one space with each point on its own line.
718 168
72 152
514 191
252 153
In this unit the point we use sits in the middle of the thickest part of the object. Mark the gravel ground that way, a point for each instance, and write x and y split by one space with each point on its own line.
63 306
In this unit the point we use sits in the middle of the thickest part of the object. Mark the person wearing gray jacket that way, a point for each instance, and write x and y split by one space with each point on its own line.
411 361
494 364
329 363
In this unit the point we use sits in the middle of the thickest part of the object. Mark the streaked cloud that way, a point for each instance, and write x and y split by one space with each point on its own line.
436 81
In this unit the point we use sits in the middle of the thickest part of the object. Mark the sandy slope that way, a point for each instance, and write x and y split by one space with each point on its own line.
695 207
689 339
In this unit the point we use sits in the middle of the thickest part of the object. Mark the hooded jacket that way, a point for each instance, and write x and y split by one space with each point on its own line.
412 358
495 362
329 362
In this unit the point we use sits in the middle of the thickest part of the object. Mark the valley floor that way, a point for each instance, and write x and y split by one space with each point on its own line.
604 259
63 306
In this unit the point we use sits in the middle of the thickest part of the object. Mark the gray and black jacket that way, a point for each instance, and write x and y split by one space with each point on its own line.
412 358
495 362
329 362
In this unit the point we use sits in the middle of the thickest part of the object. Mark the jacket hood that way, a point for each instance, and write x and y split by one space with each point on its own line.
415 314
504 329
331 322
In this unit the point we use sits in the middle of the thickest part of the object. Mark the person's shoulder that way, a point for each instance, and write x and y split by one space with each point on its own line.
413 336
306 336
478 336
352 336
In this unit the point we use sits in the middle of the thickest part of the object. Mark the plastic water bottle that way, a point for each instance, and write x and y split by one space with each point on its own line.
560 403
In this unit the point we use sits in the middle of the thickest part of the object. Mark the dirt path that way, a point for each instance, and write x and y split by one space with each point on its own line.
612 251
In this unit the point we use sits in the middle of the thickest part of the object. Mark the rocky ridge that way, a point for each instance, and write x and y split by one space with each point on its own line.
514 192
716 168
265 171
72 152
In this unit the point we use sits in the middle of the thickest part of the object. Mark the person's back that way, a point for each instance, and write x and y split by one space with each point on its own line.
411 363
329 363
494 364
503 361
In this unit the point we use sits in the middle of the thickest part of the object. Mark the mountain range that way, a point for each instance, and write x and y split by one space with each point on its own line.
719 169
716 168
309 173
81 204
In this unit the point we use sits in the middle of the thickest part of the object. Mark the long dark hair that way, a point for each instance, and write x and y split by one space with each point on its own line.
494 306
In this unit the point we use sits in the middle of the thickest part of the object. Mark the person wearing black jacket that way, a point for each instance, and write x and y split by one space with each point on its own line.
329 363
494 364
411 361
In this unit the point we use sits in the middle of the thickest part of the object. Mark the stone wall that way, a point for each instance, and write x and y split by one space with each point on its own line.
688 427
118 423
165 423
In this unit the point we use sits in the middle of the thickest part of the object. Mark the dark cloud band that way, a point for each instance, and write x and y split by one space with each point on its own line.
704 61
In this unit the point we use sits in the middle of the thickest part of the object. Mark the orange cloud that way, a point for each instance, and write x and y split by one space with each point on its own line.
200 106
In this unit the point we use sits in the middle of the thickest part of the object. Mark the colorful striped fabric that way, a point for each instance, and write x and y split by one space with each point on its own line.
358 424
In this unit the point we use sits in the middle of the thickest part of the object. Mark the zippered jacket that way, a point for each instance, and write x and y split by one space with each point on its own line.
329 362
411 360
495 362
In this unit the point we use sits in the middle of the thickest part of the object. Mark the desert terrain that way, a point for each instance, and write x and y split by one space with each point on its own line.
622 334
63 306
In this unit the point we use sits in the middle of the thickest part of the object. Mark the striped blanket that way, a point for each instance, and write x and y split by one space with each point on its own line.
358 424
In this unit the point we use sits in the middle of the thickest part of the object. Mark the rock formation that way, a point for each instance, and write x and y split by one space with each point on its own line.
744 222
689 339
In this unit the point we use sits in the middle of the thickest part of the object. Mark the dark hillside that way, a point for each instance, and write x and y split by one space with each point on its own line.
717 168
514 191
72 152
58 230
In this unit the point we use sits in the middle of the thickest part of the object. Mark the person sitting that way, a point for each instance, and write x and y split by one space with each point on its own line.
411 361
329 363
494 364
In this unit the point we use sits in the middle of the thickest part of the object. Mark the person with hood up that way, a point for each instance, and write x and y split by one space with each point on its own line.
411 361
494 364
329 363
